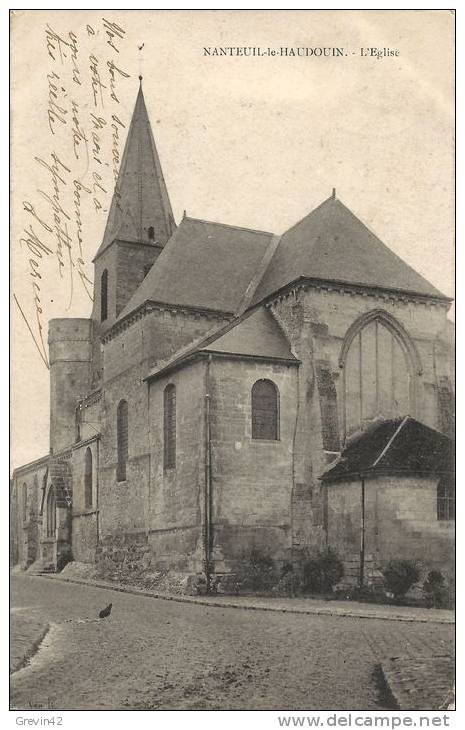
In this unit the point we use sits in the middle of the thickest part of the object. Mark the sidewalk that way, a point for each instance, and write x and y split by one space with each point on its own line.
28 632
310 606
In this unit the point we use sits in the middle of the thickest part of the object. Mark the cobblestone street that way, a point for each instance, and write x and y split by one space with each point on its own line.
156 654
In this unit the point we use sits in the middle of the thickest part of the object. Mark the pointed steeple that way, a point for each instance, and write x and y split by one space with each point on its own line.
140 209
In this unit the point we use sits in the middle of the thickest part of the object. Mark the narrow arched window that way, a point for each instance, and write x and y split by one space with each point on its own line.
122 440
104 296
88 479
51 513
446 498
151 233
24 498
169 427
265 410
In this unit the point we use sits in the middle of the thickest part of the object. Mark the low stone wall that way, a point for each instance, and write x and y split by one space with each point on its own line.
129 559
120 557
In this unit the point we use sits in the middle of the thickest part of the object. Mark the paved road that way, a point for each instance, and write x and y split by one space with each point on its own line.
156 654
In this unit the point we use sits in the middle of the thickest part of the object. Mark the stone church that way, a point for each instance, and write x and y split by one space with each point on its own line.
234 388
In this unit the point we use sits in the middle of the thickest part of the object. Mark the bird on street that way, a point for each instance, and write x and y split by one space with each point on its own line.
105 611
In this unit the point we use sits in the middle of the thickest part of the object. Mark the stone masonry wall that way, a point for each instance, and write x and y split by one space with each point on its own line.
158 505
316 322
400 522
134 262
26 501
70 355
252 480
84 525
177 495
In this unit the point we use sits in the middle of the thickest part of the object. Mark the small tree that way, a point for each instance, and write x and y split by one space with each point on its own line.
323 571
400 576
435 590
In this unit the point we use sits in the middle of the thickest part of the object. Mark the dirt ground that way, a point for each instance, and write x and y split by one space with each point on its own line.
156 654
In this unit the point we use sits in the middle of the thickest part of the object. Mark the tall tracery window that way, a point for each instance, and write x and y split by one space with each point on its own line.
51 513
378 373
104 296
88 498
169 427
265 410
122 439
446 498
24 499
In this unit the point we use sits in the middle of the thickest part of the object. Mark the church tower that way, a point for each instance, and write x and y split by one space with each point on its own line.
139 224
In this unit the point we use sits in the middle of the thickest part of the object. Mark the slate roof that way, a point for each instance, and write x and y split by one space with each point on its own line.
396 445
140 199
255 334
205 265
225 268
332 244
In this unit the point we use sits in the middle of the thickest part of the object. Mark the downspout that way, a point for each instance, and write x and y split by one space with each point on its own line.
97 520
208 478
362 531
149 495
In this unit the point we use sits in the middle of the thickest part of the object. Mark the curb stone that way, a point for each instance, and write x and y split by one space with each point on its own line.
422 683
341 612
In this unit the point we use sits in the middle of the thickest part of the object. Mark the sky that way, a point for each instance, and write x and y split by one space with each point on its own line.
252 141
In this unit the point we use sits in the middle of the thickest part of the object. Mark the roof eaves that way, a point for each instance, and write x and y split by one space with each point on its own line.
325 283
30 466
149 304
202 353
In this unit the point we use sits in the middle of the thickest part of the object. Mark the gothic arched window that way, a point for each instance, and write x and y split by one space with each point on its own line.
265 410
88 499
122 439
104 296
169 427
379 363
446 498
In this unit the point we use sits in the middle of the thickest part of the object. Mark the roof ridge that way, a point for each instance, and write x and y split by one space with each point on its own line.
391 440
259 274
229 225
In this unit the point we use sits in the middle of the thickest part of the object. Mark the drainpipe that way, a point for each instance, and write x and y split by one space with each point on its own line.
97 472
208 477
362 531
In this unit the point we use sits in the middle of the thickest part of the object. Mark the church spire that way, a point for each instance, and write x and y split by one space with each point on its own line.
140 209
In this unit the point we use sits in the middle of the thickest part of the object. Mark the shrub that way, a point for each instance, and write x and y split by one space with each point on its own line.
322 572
400 576
435 590
256 571
289 584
